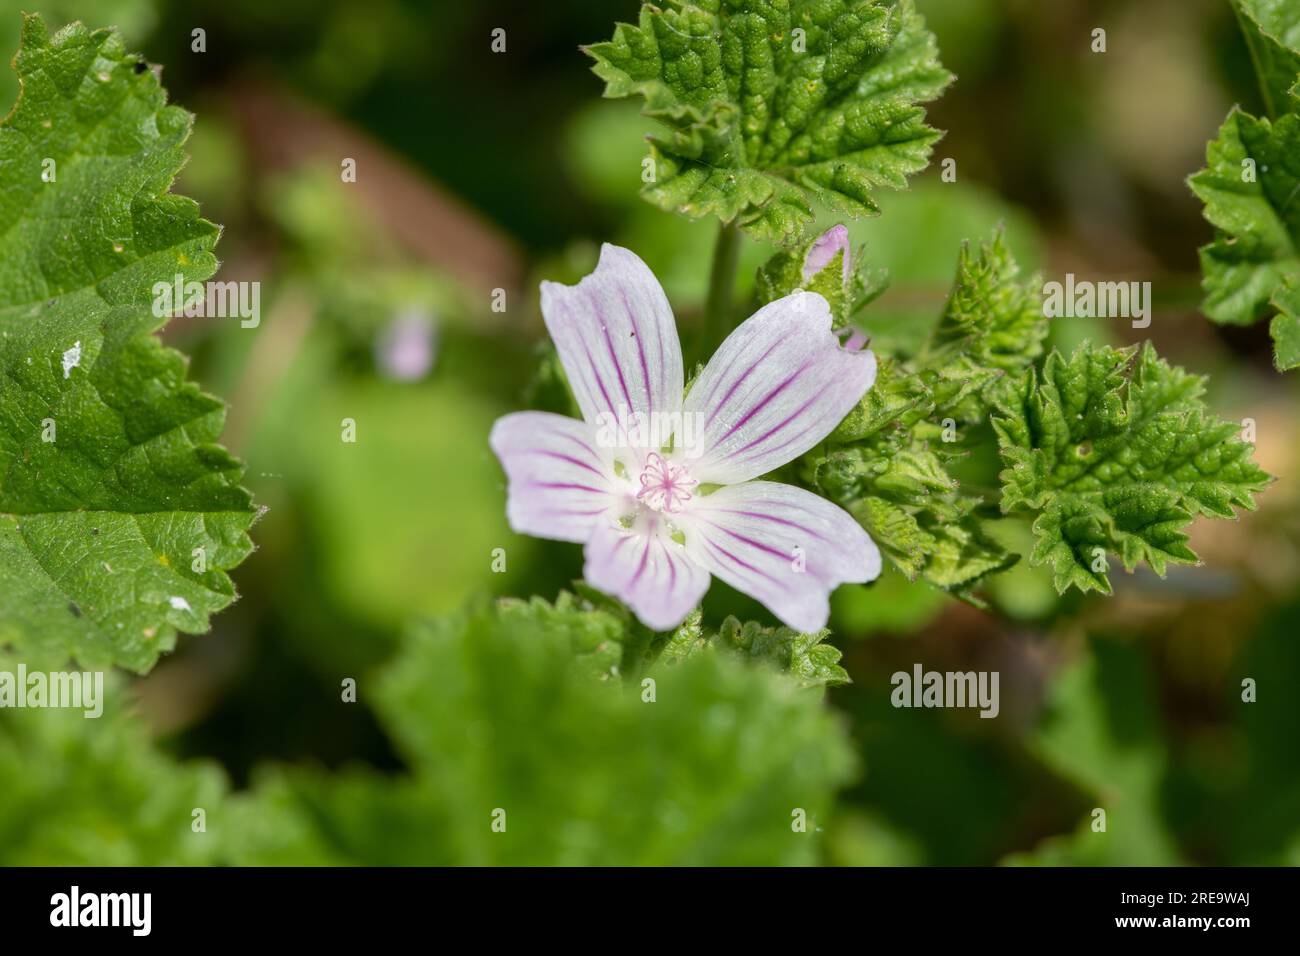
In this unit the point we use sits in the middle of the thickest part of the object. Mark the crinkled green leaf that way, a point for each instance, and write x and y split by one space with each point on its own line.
806 657
995 321
992 325
904 397
637 647
889 461
99 528
898 487
937 538
135 19
771 106
1250 187
1117 456
82 791
491 713
608 642
897 397
888 465
963 554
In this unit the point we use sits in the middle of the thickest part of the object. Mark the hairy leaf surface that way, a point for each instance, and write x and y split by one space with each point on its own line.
119 512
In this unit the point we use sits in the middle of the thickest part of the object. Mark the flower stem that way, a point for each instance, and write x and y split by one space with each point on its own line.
722 283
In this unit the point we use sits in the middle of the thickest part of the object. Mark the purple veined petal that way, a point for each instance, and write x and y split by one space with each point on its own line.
646 570
559 481
823 251
778 385
786 547
616 338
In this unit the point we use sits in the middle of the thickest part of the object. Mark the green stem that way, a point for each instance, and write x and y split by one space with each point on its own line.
722 283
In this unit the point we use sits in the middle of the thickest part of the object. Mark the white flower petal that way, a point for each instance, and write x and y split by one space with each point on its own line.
777 386
646 570
559 482
616 338
784 546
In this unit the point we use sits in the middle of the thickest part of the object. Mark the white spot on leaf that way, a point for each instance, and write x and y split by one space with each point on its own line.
71 359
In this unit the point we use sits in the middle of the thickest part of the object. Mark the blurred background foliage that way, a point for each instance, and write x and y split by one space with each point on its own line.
481 171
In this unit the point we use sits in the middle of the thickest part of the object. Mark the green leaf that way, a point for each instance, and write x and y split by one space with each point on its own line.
963 554
1272 31
135 19
100 527
84 791
608 642
992 325
490 714
805 657
1250 188
1285 327
889 462
994 321
904 397
1117 462
888 465
1251 184
598 636
899 488
940 539
916 242
898 397
770 106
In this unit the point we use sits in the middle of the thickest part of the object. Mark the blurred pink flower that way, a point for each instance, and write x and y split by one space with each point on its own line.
657 518
405 349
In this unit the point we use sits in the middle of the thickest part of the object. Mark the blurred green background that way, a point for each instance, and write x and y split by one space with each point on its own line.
480 171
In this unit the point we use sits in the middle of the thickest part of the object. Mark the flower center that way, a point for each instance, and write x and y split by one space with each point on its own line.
664 487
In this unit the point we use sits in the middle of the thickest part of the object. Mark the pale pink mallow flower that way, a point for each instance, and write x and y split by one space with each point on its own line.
658 518
819 256
822 251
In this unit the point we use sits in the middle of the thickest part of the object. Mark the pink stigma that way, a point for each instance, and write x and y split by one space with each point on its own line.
664 487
